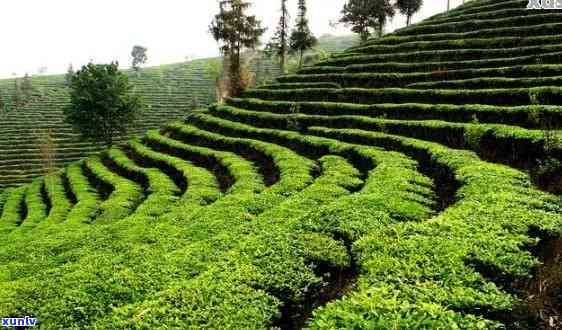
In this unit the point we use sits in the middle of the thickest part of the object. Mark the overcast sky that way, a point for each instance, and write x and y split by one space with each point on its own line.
54 33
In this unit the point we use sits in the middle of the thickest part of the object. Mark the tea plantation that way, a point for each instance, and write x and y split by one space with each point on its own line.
169 92
410 182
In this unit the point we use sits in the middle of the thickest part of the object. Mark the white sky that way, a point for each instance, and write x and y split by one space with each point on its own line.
54 33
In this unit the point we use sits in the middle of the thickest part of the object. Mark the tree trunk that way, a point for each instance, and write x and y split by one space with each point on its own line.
381 28
364 36
408 20
448 5
235 77
300 58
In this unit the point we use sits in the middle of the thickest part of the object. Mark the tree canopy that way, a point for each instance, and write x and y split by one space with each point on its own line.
139 56
366 16
278 46
302 38
235 31
408 8
102 103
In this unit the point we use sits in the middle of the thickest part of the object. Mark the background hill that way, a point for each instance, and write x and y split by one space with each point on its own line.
169 92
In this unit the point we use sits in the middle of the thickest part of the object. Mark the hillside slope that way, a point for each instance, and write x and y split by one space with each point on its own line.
168 92
385 188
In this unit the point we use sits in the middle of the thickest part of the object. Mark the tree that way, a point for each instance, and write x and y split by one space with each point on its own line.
278 46
235 30
69 74
365 16
139 56
408 8
302 38
102 104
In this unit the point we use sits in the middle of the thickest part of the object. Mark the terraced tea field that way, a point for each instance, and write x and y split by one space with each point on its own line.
168 91
385 188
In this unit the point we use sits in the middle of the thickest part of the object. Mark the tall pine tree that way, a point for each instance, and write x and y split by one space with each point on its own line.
279 45
408 8
302 38
365 16
235 31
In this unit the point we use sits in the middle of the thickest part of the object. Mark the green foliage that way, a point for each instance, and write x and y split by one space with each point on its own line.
435 67
519 143
473 43
161 190
203 187
122 195
139 56
55 192
408 8
102 103
515 77
398 260
548 166
475 24
86 208
366 16
451 55
301 38
166 90
542 30
3 197
524 116
300 85
36 208
278 46
512 97
235 31
13 210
